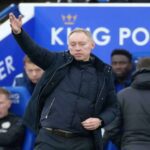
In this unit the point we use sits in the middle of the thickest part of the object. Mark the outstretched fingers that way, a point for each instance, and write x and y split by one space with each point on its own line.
15 23
20 18
12 16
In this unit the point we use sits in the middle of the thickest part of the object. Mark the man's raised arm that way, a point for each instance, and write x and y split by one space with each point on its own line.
36 53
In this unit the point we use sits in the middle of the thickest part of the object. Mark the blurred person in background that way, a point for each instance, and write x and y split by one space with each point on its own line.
11 127
71 102
131 128
31 75
122 66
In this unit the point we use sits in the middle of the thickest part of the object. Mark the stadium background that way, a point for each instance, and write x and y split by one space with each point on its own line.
112 26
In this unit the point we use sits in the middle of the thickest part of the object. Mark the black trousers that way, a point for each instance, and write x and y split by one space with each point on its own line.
48 141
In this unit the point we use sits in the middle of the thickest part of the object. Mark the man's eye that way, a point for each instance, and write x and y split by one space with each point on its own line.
82 44
73 44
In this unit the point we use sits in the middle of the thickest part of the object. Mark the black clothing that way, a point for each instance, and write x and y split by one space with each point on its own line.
55 142
11 133
73 100
56 66
133 123
126 82
23 80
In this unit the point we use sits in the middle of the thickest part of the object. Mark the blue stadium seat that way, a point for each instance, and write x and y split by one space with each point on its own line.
111 146
20 98
29 140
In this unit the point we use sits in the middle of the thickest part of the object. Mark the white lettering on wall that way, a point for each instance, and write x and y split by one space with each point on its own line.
6 67
126 34
103 36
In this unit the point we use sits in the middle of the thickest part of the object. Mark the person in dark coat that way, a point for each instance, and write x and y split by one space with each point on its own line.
12 130
122 67
131 129
72 101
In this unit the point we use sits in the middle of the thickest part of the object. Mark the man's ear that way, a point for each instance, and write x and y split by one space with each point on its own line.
93 44
9 103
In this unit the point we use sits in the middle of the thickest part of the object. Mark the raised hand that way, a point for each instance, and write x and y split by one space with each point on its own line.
15 23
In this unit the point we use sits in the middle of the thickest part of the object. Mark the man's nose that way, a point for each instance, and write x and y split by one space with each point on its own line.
118 66
34 73
78 47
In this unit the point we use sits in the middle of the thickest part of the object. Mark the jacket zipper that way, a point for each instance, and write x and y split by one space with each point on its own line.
46 116
50 80
101 90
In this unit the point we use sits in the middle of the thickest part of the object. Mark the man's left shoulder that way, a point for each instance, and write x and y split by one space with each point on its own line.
107 69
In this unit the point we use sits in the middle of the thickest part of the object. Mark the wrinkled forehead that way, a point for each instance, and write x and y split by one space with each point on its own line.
79 36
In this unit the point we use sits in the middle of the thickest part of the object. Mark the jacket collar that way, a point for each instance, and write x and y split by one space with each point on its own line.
98 63
141 79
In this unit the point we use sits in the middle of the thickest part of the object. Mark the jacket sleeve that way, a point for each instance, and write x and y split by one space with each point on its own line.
109 109
113 131
40 56
14 135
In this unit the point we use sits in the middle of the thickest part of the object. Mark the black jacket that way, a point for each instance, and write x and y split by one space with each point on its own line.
55 66
12 133
23 80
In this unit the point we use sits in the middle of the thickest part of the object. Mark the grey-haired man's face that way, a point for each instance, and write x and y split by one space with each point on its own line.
80 46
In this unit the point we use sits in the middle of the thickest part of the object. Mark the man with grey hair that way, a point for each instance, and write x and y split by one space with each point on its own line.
72 101
131 129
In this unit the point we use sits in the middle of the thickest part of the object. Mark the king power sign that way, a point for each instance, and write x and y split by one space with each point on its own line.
102 36
111 26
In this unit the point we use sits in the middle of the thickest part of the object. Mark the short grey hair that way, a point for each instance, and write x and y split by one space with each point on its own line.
81 30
